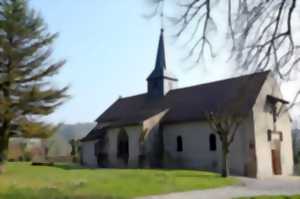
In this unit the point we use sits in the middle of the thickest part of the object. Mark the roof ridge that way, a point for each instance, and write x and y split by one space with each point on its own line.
130 96
203 84
221 80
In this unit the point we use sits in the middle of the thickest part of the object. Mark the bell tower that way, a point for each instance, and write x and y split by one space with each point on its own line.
161 81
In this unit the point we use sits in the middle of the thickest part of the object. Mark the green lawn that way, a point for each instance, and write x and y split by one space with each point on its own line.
23 181
273 197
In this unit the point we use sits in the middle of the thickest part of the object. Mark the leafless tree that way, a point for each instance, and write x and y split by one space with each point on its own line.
226 127
226 121
260 31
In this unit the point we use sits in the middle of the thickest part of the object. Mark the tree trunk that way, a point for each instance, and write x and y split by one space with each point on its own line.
3 152
3 156
225 160
2 167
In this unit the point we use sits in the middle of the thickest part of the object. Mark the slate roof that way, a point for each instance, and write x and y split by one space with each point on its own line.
94 134
189 104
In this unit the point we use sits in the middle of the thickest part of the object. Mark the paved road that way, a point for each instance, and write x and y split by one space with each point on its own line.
247 187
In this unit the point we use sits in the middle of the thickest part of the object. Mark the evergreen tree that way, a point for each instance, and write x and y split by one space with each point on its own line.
25 73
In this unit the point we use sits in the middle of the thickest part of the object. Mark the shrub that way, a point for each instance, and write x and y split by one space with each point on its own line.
27 156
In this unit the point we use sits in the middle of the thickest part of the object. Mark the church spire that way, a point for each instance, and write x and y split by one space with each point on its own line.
160 81
160 63
160 68
161 57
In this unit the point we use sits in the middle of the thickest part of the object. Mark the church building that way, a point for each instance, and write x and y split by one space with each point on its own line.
167 127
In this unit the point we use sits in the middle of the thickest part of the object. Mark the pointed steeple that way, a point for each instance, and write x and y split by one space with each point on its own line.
161 81
160 69
161 58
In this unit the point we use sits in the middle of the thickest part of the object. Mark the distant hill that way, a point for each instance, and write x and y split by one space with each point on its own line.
75 131
59 145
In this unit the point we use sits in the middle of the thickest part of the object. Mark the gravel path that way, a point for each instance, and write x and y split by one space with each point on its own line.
247 187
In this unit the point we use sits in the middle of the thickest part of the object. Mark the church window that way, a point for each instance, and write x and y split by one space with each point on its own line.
269 135
123 146
179 144
212 142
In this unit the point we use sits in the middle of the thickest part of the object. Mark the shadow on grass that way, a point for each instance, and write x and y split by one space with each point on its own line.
175 172
46 193
196 173
183 173
68 166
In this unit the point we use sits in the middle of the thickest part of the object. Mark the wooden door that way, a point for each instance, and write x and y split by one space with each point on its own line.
276 163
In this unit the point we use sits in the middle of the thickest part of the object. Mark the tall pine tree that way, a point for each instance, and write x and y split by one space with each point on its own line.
26 93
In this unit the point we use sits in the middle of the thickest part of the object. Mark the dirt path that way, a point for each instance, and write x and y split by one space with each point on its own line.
247 187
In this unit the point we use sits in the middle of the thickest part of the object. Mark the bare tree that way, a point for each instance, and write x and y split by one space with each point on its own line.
226 127
226 121
260 31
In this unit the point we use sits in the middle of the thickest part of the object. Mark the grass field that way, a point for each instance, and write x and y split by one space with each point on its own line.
23 181
273 197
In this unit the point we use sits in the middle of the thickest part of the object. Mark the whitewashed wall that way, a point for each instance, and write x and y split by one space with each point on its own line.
153 140
263 120
196 153
88 150
133 133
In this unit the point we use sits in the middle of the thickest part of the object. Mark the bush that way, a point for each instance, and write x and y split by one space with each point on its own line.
27 156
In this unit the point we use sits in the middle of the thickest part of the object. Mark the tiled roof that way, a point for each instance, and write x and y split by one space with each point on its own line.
189 104
94 134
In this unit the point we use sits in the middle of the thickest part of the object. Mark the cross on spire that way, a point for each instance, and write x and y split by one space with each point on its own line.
162 15
161 80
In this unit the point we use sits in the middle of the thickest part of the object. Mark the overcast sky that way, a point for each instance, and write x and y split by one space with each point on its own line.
110 49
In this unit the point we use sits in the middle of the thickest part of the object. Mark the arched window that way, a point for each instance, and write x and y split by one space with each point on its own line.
179 144
212 142
123 146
